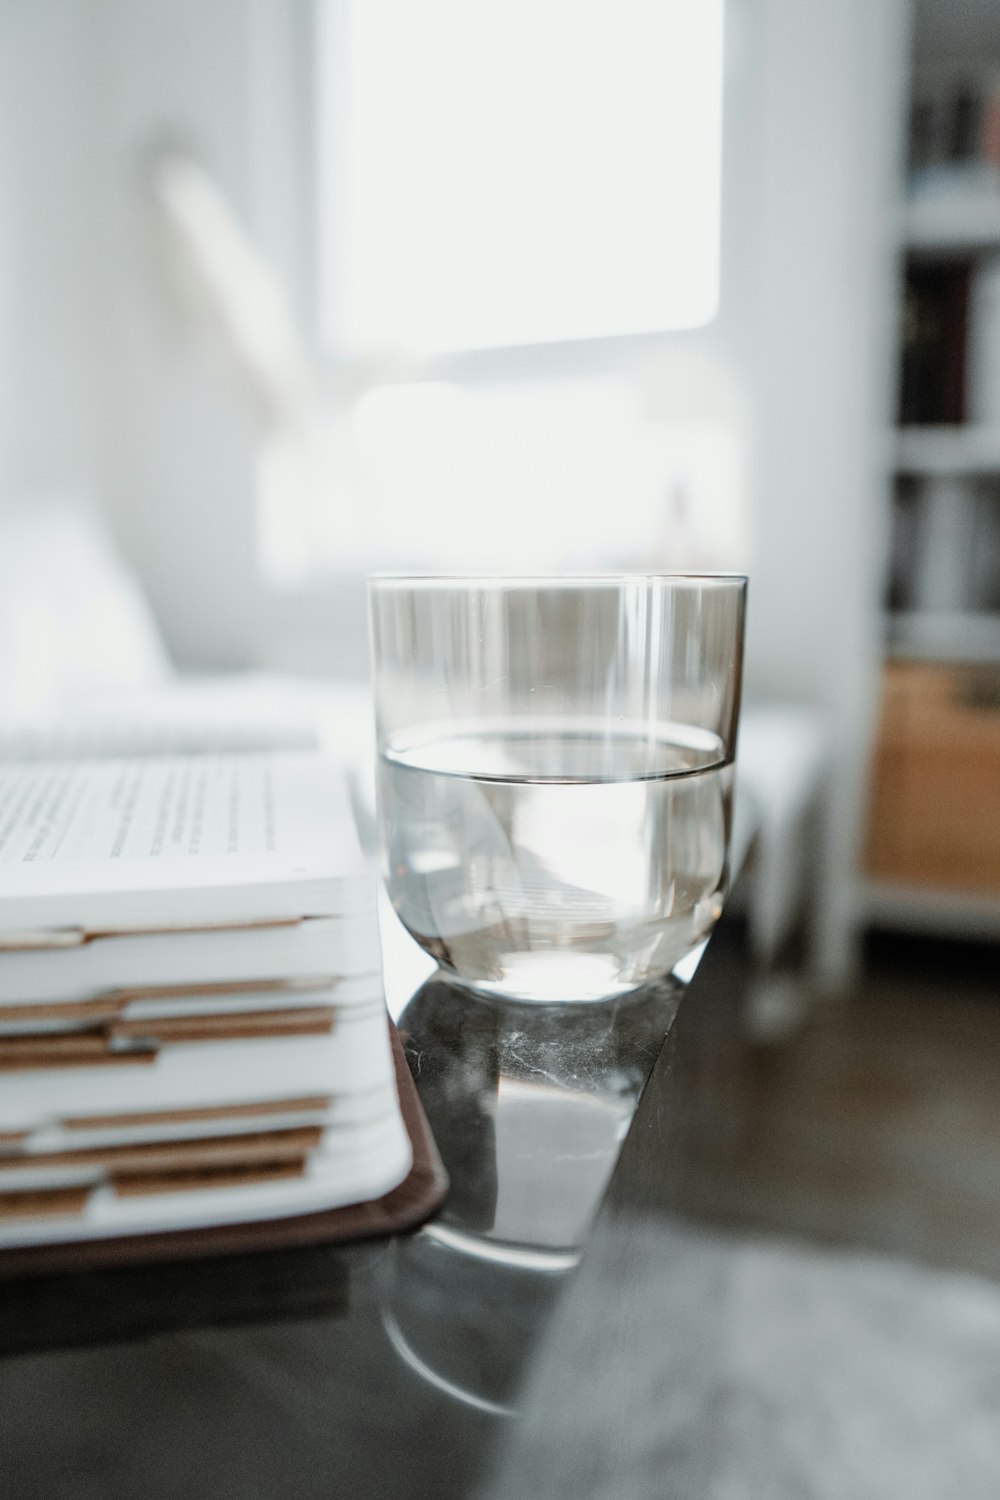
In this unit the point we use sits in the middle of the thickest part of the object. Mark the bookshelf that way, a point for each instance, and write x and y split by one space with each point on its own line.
927 868
966 450
944 636
966 221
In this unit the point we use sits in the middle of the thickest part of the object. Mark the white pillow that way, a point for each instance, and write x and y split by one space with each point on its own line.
72 616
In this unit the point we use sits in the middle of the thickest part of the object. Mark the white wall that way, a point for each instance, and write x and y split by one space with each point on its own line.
177 449
47 332
819 336
97 390
812 175
818 360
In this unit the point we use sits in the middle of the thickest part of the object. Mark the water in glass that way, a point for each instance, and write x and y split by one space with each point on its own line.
554 861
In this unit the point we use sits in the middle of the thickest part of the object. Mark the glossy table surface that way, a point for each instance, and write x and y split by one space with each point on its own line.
384 1369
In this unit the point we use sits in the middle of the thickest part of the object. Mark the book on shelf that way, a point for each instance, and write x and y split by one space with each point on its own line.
934 342
192 1023
954 130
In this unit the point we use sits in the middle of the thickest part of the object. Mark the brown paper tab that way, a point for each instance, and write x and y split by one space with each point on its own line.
314 1104
223 987
158 1156
74 1049
33 1203
93 1011
221 1177
228 1026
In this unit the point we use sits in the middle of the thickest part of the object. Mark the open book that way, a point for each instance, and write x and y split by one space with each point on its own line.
177 870
192 1025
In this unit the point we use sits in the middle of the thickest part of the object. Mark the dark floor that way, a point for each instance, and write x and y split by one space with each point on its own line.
878 1122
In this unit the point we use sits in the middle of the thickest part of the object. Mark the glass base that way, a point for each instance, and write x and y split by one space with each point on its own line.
548 978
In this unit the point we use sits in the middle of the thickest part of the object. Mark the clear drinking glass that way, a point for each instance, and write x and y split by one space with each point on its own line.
555 772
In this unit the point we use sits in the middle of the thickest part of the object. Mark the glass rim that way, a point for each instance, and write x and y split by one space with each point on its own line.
548 580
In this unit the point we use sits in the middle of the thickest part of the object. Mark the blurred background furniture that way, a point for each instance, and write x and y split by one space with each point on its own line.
933 852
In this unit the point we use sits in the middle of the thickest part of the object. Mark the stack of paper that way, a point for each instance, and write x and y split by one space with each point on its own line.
192 1024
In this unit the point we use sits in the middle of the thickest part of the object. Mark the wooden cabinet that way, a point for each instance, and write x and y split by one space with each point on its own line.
935 799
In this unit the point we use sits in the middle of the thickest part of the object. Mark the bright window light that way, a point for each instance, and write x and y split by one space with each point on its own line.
522 476
517 477
502 172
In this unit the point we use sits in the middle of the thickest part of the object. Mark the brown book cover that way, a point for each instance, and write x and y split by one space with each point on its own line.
406 1206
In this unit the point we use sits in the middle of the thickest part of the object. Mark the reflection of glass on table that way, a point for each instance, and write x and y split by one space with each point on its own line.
529 1106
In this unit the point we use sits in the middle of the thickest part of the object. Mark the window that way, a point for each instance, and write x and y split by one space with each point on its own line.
502 172
510 191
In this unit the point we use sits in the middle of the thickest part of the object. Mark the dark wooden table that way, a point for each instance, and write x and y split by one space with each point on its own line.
411 1367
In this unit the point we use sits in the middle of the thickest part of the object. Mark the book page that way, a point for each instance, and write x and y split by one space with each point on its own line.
164 841
183 806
